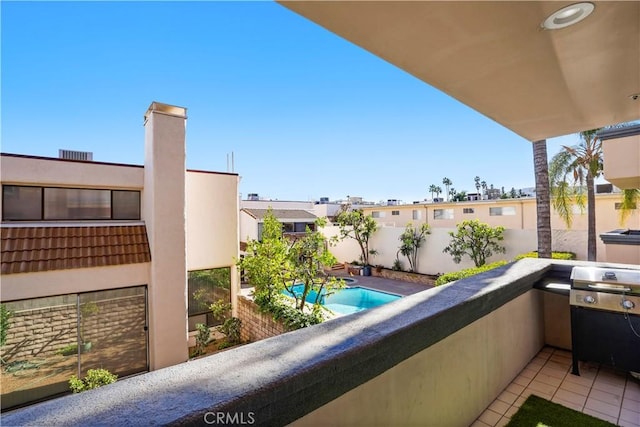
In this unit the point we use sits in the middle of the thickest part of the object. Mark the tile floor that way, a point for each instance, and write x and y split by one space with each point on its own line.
598 391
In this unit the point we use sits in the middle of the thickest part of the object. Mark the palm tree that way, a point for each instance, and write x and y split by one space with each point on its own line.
432 189
484 187
581 164
452 193
438 191
543 206
478 185
447 183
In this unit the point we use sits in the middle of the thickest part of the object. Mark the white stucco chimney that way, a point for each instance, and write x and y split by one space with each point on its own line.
165 217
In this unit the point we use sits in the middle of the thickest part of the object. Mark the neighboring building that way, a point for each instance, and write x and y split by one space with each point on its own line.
95 259
513 214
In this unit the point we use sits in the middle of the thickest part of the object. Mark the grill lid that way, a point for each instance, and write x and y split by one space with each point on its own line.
606 278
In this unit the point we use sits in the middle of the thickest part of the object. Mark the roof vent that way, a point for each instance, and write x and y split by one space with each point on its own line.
75 155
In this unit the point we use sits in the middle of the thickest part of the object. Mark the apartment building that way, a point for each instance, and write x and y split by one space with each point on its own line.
101 261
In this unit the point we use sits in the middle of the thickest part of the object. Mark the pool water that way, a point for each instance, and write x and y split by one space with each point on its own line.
348 300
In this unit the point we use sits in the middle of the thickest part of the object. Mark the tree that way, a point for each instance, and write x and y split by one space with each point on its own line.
452 194
570 171
630 199
265 266
543 207
411 240
432 189
438 191
307 258
356 225
484 187
460 197
477 240
477 184
447 183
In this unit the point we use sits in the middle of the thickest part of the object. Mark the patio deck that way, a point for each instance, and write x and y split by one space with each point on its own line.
599 391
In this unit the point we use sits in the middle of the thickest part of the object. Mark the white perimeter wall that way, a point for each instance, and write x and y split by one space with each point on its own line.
431 259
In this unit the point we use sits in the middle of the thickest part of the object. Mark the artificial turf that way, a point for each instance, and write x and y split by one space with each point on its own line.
539 412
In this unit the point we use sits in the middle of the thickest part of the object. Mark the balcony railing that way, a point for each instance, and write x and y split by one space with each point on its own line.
438 357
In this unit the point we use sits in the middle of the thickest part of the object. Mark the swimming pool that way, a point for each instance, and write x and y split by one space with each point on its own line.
348 300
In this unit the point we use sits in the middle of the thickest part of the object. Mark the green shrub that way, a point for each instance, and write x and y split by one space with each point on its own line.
95 378
293 318
68 350
554 255
467 272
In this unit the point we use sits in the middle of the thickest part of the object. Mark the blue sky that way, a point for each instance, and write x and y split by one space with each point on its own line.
306 113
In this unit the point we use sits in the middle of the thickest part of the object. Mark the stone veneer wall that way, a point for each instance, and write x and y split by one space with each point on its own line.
404 276
41 332
256 326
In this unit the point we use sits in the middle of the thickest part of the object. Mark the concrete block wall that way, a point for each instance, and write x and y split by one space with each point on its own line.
256 325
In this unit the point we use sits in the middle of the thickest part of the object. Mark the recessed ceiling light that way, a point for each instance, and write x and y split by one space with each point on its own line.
568 15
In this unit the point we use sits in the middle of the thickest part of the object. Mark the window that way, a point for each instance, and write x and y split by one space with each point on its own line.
467 210
502 211
377 214
416 214
21 203
206 287
25 203
443 214
47 334
76 203
394 213
618 206
125 204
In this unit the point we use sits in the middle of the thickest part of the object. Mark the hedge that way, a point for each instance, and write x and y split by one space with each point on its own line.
554 255
467 272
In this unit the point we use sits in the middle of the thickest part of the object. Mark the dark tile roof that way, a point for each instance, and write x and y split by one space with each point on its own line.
282 214
33 249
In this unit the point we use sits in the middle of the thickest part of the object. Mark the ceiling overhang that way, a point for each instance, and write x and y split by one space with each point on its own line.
496 58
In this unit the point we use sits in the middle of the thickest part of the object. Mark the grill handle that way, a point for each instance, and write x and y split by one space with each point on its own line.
606 287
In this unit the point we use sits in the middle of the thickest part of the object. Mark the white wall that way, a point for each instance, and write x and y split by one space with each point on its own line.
212 220
432 259
248 227
60 282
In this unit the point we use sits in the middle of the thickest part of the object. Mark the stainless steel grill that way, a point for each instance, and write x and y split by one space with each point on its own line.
605 317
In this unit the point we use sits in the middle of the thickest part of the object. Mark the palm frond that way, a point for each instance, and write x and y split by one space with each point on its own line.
630 199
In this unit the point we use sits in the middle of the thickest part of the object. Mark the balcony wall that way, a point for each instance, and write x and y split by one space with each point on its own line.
621 152
443 354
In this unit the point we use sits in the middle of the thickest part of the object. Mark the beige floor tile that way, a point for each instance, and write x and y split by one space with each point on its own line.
541 387
528 373
521 380
629 415
627 403
611 376
602 407
554 372
624 423
588 370
617 389
537 362
559 366
507 397
563 353
603 396
580 380
499 406
479 423
515 388
575 388
567 403
632 391
511 411
564 361
602 416
503 422
490 417
546 351
572 397
548 379
520 400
